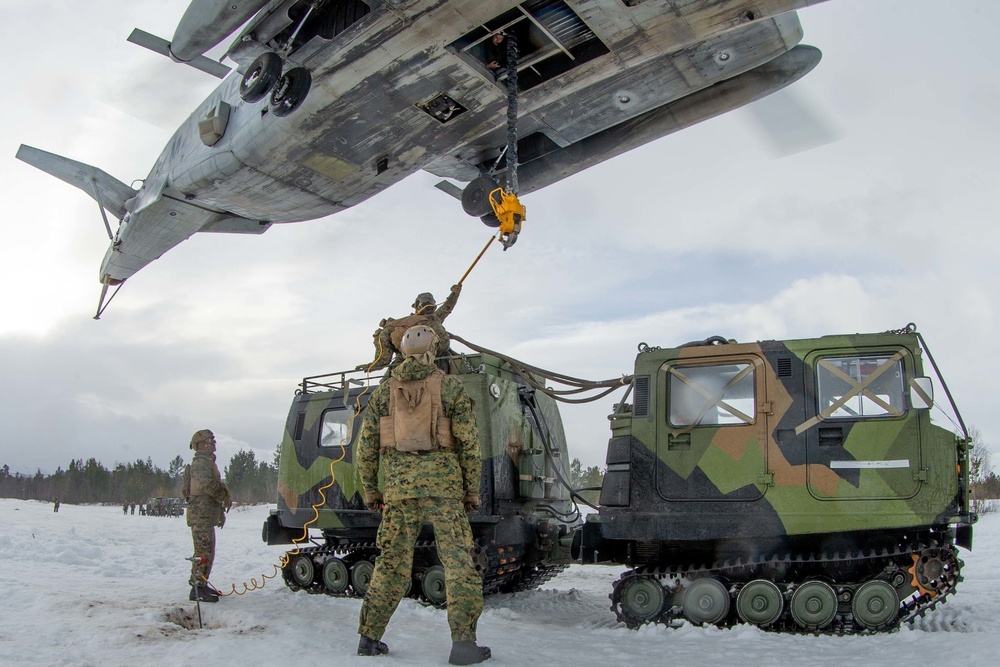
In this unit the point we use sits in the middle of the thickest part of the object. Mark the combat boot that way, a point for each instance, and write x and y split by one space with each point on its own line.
371 647
466 652
202 594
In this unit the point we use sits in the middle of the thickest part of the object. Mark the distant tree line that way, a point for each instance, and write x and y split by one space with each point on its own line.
587 479
985 483
249 480
252 481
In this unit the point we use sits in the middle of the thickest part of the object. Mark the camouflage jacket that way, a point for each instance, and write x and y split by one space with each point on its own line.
205 492
385 346
439 473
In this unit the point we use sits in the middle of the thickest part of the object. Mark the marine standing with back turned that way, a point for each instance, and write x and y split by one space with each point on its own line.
420 427
208 499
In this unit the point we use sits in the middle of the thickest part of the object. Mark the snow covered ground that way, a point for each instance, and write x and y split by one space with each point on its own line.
88 586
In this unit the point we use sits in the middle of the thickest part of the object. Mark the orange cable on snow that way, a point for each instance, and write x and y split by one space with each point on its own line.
286 557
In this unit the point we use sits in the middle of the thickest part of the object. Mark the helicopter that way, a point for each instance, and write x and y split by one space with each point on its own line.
334 101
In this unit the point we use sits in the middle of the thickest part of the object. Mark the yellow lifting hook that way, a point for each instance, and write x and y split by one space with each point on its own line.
510 212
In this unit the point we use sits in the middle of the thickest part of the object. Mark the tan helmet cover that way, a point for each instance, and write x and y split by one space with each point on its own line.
419 342
203 435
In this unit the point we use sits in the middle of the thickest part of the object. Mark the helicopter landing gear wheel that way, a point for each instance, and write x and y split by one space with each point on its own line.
290 91
476 196
935 571
260 78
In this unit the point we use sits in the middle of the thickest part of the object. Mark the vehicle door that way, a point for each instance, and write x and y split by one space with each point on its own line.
711 433
862 440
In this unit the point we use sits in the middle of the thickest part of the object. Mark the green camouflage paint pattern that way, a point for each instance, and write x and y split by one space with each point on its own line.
509 446
731 467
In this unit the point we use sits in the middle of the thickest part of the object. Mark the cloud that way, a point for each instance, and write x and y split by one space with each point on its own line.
697 234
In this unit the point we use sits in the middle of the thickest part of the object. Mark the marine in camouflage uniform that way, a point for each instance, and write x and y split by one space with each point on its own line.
390 332
208 499
431 475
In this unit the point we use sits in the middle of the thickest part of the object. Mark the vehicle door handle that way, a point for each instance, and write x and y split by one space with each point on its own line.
678 443
831 436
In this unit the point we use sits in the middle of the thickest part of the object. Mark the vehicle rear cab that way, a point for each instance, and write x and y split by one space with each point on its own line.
523 503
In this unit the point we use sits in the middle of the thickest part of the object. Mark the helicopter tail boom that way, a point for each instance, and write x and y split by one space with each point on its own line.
106 190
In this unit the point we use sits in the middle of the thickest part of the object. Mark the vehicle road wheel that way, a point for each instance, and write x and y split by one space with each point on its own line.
303 570
260 78
335 576
814 605
433 585
875 604
641 599
706 602
760 603
361 576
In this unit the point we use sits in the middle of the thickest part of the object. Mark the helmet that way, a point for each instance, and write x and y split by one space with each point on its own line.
203 435
419 342
423 299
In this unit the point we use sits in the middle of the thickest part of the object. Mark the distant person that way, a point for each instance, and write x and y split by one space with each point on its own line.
132 507
496 53
55 504
125 509
420 428
387 338
208 500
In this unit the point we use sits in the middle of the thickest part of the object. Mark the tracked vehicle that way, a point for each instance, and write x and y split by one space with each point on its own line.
523 529
793 485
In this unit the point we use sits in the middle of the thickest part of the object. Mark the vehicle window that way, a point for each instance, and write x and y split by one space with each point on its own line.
711 395
338 428
860 386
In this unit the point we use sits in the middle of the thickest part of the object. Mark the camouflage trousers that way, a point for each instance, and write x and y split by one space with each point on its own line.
397 534
204 549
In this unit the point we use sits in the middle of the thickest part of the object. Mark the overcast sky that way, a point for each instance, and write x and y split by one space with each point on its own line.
707 232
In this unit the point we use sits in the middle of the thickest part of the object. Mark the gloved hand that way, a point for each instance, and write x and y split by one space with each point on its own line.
456 288
373 500
471 502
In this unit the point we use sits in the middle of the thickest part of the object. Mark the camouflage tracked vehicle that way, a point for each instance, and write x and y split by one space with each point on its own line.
795 486
523 529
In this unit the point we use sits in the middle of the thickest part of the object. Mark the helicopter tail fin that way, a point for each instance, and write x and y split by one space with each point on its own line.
105 189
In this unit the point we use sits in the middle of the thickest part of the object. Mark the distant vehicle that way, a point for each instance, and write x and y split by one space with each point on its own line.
165 507
798 486
336 101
